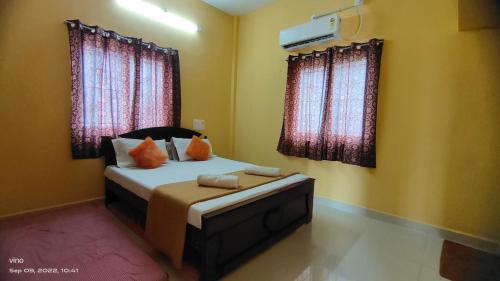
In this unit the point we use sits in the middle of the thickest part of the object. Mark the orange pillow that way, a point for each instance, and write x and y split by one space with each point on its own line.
198 149
147 155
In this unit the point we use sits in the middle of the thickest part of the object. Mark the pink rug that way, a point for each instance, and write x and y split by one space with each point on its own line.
76 243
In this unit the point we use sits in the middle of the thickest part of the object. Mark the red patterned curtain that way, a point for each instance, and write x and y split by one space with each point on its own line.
119 84
331 104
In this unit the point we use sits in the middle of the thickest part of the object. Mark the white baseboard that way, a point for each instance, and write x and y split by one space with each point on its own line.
50 207
480 243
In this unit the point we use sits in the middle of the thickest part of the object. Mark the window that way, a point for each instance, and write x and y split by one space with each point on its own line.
348 98
311 101
331 103
119 84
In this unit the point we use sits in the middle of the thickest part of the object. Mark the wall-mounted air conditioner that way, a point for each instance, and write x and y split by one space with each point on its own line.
316 31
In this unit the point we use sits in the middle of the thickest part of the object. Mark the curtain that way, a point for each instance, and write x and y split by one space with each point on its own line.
331 104
119 84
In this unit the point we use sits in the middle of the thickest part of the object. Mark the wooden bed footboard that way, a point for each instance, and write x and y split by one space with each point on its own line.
228 238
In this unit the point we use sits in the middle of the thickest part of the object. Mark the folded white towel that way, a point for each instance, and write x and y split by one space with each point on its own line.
224 181
263 171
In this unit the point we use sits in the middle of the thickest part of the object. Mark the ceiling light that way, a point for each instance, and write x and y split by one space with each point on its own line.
158 14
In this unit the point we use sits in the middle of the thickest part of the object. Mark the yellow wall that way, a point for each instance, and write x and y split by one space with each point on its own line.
438 137
36 169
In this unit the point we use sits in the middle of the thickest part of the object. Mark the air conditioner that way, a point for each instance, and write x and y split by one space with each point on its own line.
316 31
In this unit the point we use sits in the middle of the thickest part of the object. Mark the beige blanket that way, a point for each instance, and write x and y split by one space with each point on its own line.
168 210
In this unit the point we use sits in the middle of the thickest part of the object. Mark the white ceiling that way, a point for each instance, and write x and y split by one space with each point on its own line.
238 7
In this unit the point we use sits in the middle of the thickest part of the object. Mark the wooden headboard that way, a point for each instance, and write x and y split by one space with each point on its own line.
156 133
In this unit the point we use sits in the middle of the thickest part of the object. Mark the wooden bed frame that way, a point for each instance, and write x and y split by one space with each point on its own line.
231 235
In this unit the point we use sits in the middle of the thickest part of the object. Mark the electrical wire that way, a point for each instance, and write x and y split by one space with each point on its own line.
358 30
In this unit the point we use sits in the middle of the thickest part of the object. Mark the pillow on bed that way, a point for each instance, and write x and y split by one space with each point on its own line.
123 145
198 149
147 154
181 146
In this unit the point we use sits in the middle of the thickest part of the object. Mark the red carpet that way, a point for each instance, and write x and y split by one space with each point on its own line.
80 243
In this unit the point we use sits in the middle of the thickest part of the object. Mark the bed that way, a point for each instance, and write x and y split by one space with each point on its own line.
224 232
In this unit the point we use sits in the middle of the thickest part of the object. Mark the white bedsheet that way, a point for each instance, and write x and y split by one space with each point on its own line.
142 182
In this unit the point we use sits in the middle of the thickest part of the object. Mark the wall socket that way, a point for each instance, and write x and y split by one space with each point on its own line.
198 124
358 2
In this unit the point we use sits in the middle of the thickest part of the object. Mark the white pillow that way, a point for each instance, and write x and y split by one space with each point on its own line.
181 146
123 145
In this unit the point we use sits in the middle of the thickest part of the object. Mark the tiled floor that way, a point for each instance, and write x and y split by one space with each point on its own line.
339 246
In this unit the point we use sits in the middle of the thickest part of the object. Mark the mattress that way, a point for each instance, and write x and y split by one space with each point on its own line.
142 182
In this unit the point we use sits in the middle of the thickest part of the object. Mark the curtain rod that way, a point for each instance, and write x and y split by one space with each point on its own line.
107 33
93 28
340 48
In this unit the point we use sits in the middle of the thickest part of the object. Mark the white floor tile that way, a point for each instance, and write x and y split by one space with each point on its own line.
428 274
371 262
432 253
397 241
